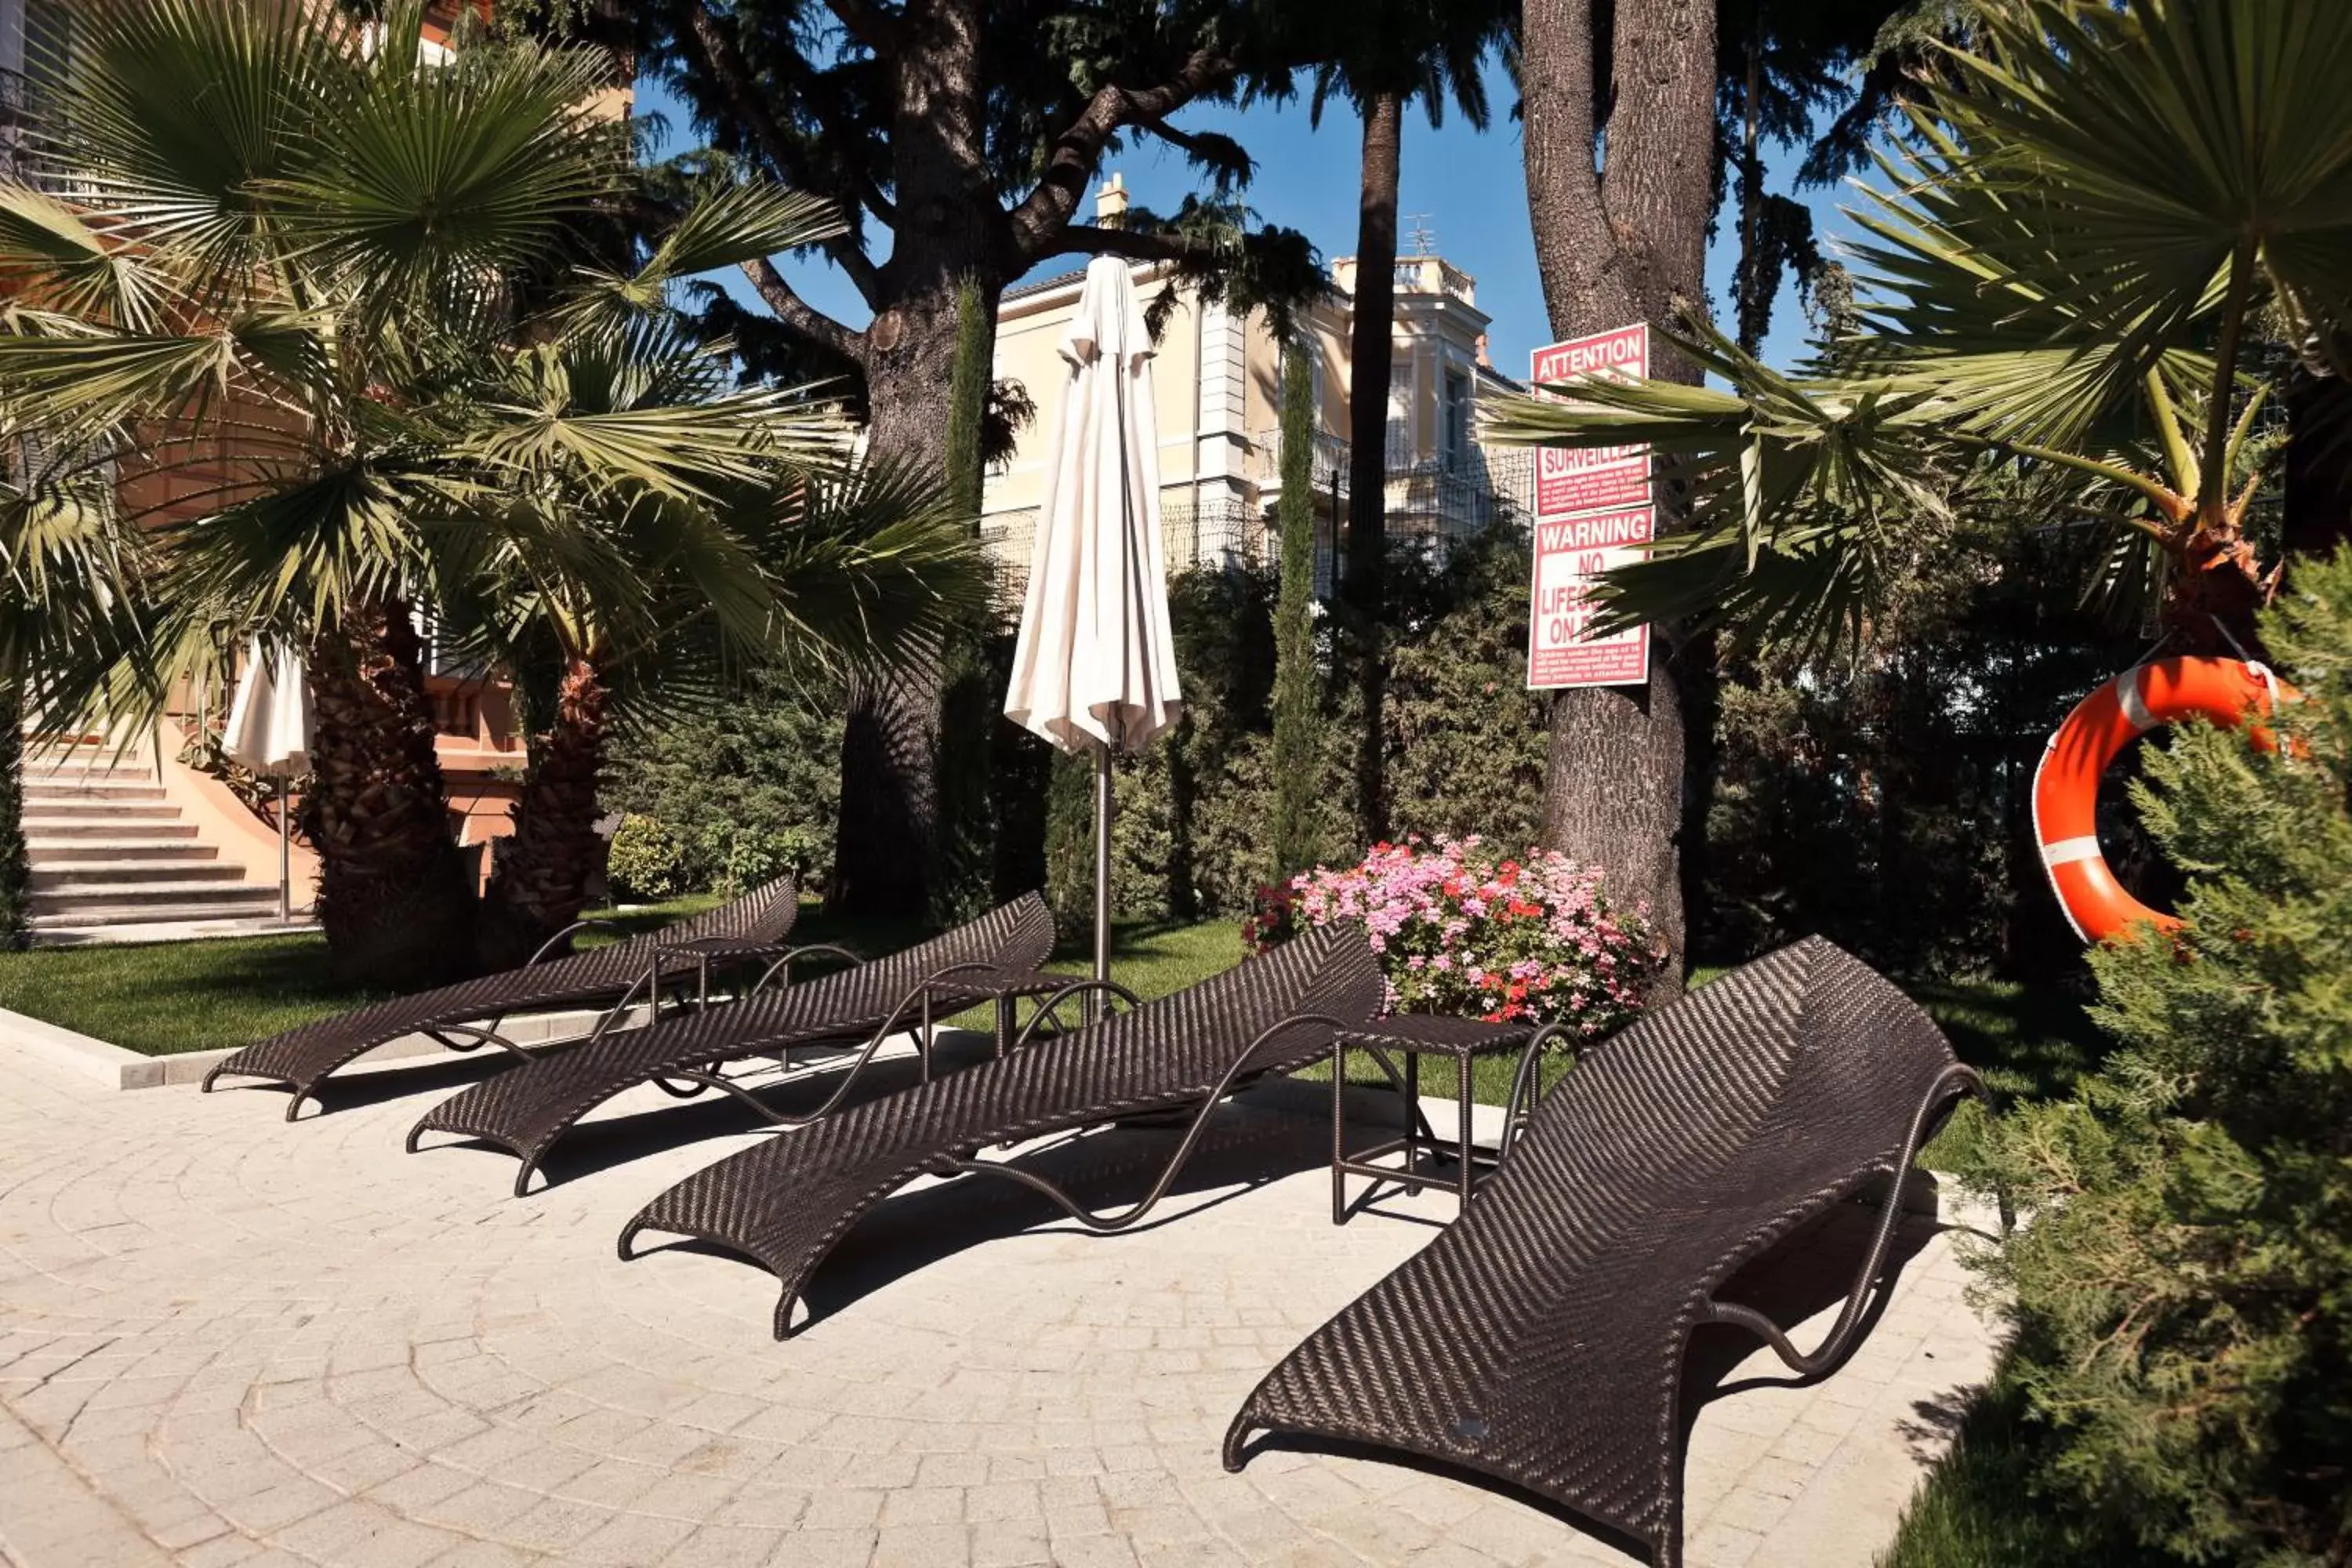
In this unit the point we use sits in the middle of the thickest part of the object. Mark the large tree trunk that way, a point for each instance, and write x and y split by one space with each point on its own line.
1613 246
541 881
2318 501
392 896
1371 351
948 229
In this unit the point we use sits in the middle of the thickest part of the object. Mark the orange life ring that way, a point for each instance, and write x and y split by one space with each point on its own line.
2066 785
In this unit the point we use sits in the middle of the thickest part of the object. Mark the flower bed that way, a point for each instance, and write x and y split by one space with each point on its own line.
1459 932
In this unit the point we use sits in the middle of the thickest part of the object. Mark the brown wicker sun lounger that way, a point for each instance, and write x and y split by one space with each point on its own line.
1542 1339
787 1202
467 1015
527 1109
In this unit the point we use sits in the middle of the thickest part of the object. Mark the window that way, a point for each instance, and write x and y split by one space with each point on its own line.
1457 421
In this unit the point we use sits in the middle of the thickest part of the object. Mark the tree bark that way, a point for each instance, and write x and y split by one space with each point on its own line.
2318 500
393 897
1371 351
947 223
949 227
539 883
1613 245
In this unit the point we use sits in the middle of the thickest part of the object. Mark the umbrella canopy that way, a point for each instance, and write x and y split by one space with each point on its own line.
1095 665
269 722
269 732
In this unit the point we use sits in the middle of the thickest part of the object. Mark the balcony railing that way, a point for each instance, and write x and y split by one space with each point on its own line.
1433 275
22 113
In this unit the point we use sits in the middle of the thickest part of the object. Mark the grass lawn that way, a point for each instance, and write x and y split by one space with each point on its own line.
1976 1508
165 997
160 998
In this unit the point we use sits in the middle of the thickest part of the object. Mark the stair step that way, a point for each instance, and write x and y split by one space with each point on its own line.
93 874
194 928
175 842
154 890
46 811
41 774
54 927
39 789
81 829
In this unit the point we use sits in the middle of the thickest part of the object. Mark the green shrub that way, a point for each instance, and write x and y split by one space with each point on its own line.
1465 739
767 762
2183 1290
649 860
745 857
16 869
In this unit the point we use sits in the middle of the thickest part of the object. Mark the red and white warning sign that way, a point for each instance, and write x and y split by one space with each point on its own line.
1592 478
1570 551
1593 513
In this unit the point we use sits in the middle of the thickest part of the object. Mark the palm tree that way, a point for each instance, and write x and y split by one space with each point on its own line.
359 306
2092 223
67 569
1392 53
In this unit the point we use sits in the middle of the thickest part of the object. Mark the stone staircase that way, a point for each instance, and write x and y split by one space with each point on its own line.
112 858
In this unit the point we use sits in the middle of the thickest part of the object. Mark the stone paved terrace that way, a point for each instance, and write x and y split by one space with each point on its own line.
226 1340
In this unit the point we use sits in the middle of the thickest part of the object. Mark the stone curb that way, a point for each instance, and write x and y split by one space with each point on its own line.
118 1068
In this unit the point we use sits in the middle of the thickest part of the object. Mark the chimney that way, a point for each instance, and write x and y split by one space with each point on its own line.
1110 201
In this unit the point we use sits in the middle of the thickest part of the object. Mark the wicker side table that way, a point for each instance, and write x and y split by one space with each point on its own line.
1411 1036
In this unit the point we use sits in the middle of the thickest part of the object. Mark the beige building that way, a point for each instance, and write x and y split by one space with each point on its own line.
1216 389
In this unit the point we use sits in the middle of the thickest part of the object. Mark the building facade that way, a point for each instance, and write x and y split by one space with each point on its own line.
1217 388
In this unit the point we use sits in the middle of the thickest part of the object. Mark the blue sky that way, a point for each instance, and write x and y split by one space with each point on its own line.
1464 186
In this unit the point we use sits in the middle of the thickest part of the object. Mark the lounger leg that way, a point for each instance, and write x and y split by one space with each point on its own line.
1238 1434
1840 1340
1413 1123
1106 1224
1462 1128
1338 1133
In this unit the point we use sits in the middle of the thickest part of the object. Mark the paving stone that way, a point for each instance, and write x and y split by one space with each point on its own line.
232 1344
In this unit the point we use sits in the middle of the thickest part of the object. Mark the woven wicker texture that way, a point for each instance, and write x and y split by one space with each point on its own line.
787 1201
1541 1338
1434 1033
527 1109
304 1057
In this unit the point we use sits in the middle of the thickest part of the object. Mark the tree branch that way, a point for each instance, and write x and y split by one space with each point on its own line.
798 315
1041 217
1087 240
1182 140
733 76
877 32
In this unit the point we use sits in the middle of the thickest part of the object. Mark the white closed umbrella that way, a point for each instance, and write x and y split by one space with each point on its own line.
269 732
1095 668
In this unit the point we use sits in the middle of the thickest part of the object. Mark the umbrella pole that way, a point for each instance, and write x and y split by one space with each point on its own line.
1102 875
285 860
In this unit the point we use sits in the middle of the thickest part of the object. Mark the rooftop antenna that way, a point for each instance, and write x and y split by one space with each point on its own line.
1425 243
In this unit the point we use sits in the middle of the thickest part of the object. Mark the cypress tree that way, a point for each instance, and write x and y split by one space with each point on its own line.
2182 1290
1295 750
968 700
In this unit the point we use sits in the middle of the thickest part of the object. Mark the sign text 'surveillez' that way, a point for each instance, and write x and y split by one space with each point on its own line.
1592 512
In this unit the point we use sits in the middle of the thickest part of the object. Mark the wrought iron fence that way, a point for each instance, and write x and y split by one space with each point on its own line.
1431 506
1193 536
14 123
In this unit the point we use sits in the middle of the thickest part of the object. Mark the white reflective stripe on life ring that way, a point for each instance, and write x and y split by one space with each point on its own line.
2127 695
2066 851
